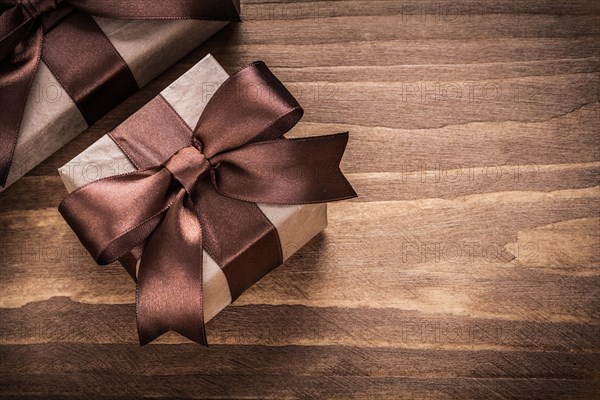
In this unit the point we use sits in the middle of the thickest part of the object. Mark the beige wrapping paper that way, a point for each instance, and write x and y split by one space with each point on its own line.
296 225
51 119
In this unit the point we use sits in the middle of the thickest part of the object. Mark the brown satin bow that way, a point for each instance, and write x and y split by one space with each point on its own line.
204 196
75 49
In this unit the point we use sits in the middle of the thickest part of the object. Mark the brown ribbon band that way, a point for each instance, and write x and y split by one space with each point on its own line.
197 189
75 49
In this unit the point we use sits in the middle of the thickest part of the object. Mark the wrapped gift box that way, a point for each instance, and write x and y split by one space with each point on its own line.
51 118
188 96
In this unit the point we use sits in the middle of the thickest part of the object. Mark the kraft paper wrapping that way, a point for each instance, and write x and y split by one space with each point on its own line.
51 119
296 225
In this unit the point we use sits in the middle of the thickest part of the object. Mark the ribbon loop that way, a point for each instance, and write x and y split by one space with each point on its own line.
106 217
250 106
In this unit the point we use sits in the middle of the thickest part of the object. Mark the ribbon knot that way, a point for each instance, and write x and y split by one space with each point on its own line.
188 166
188 199
37 8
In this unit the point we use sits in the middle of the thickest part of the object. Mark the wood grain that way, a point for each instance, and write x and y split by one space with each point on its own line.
468 268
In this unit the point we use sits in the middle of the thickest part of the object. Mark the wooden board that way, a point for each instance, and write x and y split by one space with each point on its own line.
468 268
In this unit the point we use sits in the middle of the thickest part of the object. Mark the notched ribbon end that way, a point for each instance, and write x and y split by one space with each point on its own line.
351 192
148 335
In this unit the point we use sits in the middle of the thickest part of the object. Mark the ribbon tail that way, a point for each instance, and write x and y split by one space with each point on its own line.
169 290
296 171
17 73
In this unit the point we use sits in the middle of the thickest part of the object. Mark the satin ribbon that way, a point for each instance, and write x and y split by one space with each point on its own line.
75 49
197 189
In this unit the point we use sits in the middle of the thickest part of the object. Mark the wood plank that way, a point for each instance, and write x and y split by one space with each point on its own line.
305 387
286 325
300 360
